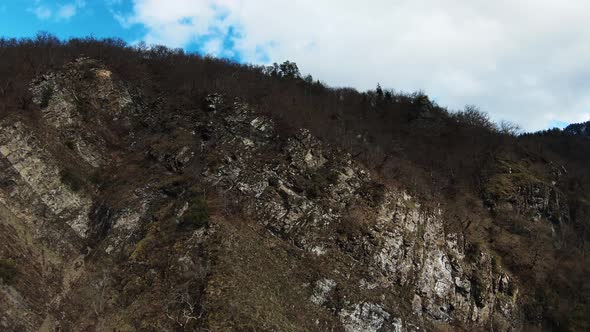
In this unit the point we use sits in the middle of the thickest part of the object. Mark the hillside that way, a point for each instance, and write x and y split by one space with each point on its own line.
152 190
580 129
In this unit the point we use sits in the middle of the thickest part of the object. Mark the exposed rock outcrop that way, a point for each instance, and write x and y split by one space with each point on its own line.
35 166
327 204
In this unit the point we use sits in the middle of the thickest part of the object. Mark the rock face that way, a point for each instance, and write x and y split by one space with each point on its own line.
325 203
35 168
516 189
363 317
113 217
322 291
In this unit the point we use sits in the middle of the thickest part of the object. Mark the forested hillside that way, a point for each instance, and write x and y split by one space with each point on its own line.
144 188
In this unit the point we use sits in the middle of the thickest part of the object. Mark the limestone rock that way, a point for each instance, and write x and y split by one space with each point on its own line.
364 317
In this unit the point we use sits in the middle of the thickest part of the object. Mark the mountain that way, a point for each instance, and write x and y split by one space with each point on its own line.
581 129
152 190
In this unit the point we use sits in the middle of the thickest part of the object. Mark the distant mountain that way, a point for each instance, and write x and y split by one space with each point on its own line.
581 129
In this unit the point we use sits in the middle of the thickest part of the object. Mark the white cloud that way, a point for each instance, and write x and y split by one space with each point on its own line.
58 12
42 12
520 60
213 47
65 12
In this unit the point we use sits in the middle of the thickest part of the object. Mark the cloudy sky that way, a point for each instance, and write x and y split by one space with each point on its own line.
521 60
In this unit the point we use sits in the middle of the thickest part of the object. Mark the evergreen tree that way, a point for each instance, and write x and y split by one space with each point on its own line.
379 91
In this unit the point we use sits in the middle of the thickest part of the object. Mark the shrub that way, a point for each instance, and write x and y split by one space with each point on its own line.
144 246
472 116
473 251
354 224
197 215
478 289
71 179
7 271
373 192
273 181
97 177
83 106
71 145
578 319
46 96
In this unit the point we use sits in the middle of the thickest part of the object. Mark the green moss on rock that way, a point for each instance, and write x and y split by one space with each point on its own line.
197 215
508 178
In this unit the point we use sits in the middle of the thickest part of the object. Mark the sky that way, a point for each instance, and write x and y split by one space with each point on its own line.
525 61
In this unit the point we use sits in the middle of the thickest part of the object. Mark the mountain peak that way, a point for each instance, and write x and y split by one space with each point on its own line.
579 129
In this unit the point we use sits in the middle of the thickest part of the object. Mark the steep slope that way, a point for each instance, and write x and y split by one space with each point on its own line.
156 191
109 224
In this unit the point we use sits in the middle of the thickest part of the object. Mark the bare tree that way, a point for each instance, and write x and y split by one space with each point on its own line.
100 300
509 128
183 308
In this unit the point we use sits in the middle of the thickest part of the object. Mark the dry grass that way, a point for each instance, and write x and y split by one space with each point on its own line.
258 283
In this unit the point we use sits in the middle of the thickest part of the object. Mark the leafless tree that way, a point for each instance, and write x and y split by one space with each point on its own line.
101 286
183 308
509 128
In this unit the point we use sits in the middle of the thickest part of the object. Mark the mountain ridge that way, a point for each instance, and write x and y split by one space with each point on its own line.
578 129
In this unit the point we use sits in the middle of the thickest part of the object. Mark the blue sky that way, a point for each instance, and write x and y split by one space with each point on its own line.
22 18
67 19
520 60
